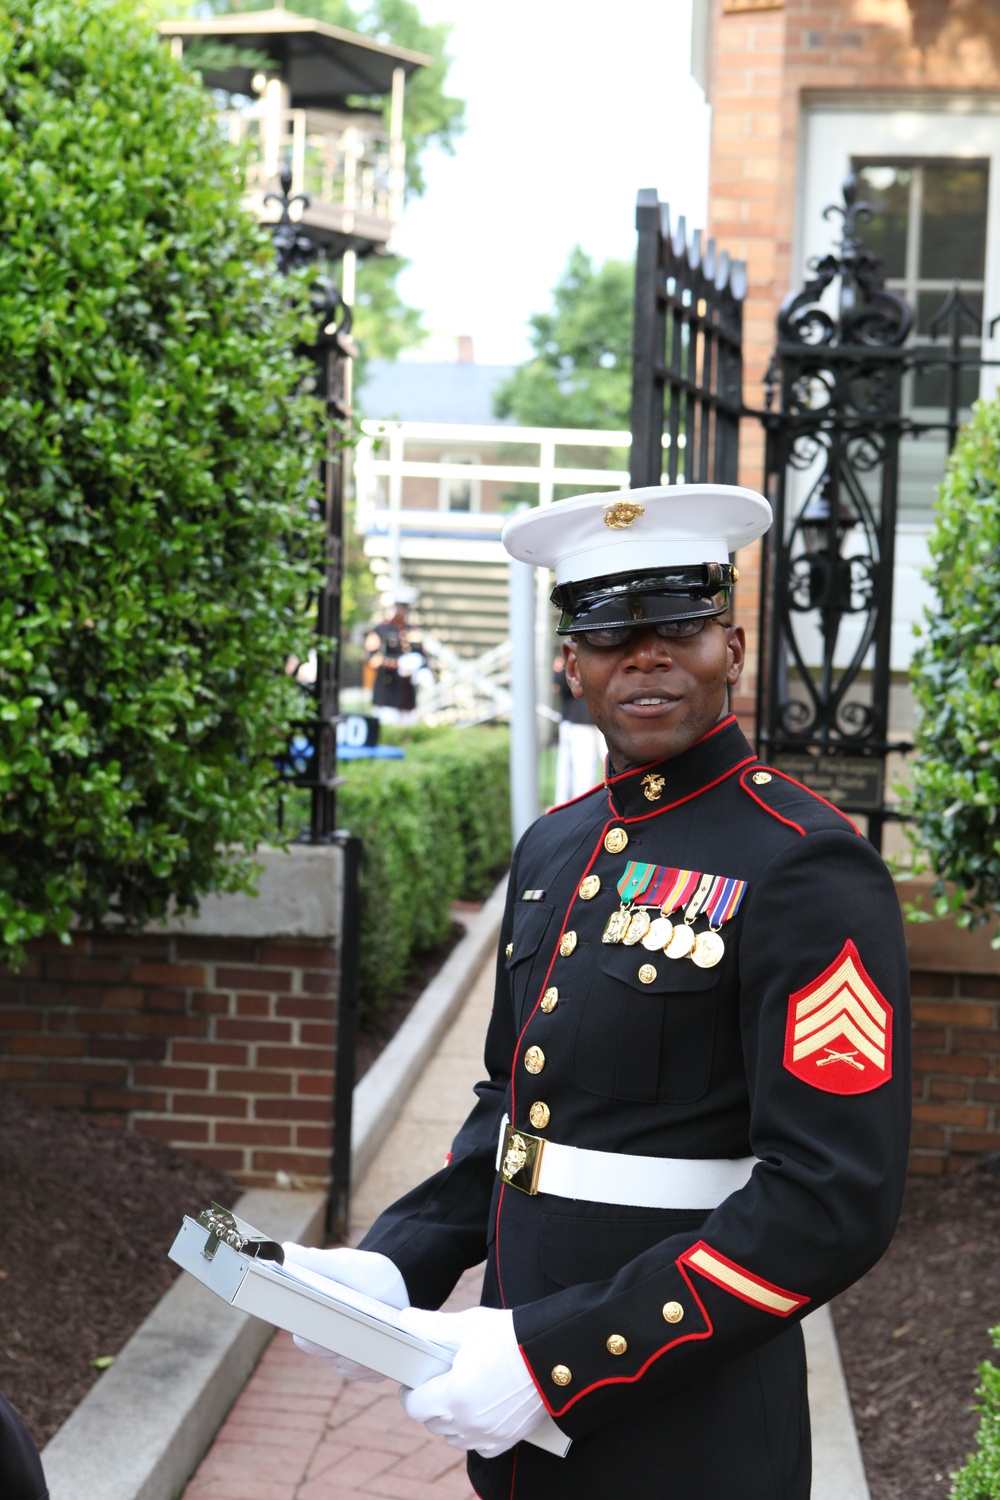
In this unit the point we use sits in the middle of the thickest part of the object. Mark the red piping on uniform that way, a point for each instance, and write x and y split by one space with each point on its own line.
787 821
685 1338
641 817
769 1286
609 781
802 787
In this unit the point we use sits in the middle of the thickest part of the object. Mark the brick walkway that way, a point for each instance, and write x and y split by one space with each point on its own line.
300 1432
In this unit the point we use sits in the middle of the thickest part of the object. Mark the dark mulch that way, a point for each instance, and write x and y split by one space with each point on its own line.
83 1207
914 1329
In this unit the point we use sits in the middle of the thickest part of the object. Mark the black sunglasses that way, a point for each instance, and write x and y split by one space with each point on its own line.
610 636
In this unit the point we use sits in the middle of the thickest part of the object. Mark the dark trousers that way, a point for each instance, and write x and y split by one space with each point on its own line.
21 1476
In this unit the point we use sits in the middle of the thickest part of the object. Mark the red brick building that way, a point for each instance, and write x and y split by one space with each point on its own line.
905 94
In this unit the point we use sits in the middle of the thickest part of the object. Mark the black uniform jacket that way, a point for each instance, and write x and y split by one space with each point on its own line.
389 689
665 1342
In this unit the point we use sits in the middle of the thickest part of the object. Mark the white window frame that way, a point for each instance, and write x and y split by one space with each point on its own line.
836 129
460 457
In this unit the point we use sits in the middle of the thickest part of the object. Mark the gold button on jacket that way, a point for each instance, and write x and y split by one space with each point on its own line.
567 944
616 1344
561 1375
673 1312
534 1059
550 999
615 840
539 1114
589 887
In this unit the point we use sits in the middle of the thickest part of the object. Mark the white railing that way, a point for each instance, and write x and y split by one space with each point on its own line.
333 158
381 469
467 692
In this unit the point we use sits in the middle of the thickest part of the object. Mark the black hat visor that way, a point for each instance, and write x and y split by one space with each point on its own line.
621 599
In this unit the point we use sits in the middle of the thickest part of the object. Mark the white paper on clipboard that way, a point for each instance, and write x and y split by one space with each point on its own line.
335 1316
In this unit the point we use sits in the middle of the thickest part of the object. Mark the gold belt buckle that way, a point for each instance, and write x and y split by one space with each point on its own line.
521 1161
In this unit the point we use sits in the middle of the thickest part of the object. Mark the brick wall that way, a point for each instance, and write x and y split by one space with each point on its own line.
955 981
222 1047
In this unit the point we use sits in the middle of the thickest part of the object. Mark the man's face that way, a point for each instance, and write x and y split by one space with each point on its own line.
653 698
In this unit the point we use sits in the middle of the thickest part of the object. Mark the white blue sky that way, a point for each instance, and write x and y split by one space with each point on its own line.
572 106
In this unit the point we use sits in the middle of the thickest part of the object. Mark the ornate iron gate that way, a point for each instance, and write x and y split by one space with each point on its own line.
832 473
687 363
835 418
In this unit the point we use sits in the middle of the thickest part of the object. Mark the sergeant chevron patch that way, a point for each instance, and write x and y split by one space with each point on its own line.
741 1282
838 1035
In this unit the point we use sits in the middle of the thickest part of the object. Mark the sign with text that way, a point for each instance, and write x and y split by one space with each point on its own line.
845 780
357 732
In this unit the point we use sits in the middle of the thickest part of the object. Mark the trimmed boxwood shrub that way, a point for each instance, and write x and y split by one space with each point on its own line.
435 829
954 804
155 466
979 1479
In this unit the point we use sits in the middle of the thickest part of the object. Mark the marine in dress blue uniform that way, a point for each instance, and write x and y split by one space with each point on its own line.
691 1134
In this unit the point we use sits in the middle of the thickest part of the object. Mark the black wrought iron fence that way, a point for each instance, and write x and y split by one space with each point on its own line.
310 761
849 384
687 367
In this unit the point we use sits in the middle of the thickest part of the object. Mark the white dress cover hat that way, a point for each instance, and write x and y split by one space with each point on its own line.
639 556
669 526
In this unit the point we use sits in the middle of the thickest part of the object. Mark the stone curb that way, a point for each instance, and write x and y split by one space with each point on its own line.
144 1426
141 1430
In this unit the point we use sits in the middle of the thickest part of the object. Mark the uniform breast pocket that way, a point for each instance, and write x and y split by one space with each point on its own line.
531 921
648 1039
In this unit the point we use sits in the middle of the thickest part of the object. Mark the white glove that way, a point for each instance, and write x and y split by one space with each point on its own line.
364 1271
487 1400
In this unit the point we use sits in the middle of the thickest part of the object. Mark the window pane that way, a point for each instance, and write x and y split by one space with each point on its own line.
953 242
887 189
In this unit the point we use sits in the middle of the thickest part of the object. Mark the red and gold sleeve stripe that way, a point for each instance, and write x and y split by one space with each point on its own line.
741 1282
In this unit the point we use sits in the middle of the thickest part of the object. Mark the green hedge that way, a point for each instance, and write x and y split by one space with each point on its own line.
156 550
956 683
980 1477
436 829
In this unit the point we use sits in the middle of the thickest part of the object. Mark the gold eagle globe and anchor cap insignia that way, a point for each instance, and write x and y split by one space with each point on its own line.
622 514
638 557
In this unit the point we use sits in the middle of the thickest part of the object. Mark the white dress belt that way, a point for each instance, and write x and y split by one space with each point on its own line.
535 1165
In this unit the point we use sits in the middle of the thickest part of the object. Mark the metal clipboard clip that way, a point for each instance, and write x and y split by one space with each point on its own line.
225 1228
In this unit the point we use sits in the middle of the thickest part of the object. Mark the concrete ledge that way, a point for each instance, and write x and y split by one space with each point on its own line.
381 1094
298 895
141 1430
838 1469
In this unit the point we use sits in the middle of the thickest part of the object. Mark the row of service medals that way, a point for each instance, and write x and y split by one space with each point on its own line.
633 924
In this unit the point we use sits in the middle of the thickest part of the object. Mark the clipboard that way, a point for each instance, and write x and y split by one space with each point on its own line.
246 1269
